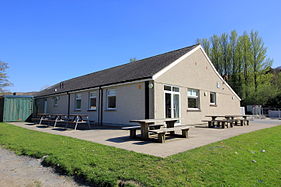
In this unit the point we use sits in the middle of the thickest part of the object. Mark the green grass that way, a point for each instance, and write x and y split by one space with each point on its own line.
225 163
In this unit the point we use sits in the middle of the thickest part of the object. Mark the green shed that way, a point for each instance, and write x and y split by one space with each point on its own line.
15 107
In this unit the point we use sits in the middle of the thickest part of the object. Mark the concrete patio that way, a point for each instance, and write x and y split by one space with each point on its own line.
198 136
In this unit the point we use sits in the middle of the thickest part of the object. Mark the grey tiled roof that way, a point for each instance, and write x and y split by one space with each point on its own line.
137 70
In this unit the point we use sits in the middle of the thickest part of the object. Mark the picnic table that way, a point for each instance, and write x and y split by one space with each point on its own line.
145 123
64 118
215 116
228 118
244 121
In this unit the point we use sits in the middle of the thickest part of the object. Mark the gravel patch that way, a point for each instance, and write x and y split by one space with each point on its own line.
26 171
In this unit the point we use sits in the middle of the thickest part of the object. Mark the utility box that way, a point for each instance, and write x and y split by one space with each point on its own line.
15 108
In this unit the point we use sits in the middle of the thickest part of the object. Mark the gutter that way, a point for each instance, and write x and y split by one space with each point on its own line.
98 87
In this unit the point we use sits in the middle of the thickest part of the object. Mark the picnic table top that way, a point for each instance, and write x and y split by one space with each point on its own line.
229 115
62 115
215 116
236 115
154 120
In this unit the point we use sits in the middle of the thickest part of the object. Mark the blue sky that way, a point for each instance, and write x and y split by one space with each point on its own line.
48 41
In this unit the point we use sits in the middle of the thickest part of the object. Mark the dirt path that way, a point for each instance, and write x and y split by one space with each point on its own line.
25 171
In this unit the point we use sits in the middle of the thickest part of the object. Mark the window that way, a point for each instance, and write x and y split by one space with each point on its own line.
56 101
193 99
77 101
111 99
213 99
171 88
92 100
167 88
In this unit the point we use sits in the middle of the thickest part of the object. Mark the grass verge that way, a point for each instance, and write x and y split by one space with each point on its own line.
245 160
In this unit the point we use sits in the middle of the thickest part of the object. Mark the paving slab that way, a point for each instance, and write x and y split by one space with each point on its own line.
198 136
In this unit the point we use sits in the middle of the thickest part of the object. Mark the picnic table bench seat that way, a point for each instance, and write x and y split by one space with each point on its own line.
241 121
220 123
162 132
78 121
64 118
133 129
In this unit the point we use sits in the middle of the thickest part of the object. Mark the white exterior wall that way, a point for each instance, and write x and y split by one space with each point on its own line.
195 72
130 104
85 103
61 108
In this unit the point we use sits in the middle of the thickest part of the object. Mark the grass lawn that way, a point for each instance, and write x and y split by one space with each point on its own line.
237 161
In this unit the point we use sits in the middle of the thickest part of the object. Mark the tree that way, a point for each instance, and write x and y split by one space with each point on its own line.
224 48
258 52
205 44
133 59
246 62
233 58
242 61
215 53
4 82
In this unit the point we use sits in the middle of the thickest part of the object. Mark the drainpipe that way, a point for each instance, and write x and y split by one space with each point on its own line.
101 105
100 108
146 99
68 104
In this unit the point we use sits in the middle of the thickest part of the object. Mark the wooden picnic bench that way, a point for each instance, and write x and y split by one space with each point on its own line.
133 129
42 117
76 119
220 123
228 120
239 118
79 119
145 125
163 132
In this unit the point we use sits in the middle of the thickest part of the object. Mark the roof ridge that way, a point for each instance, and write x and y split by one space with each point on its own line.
167 52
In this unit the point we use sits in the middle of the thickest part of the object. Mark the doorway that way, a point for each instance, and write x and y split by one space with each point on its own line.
172 102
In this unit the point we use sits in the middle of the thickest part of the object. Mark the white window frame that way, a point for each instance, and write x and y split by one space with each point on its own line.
111 93
195 97
172 90
215 103
78 96
92 95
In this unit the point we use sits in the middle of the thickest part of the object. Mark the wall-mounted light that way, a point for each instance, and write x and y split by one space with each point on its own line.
218 85
205 93
150 85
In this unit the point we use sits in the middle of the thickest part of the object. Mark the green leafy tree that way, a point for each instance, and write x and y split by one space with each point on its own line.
205 44
4 82
258 52
133 59
243 63
224 48
215 53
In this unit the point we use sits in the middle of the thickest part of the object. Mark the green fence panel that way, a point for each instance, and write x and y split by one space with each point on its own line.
17 108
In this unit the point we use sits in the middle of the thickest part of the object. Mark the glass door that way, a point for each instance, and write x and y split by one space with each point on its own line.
168 105
172 102
176 105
